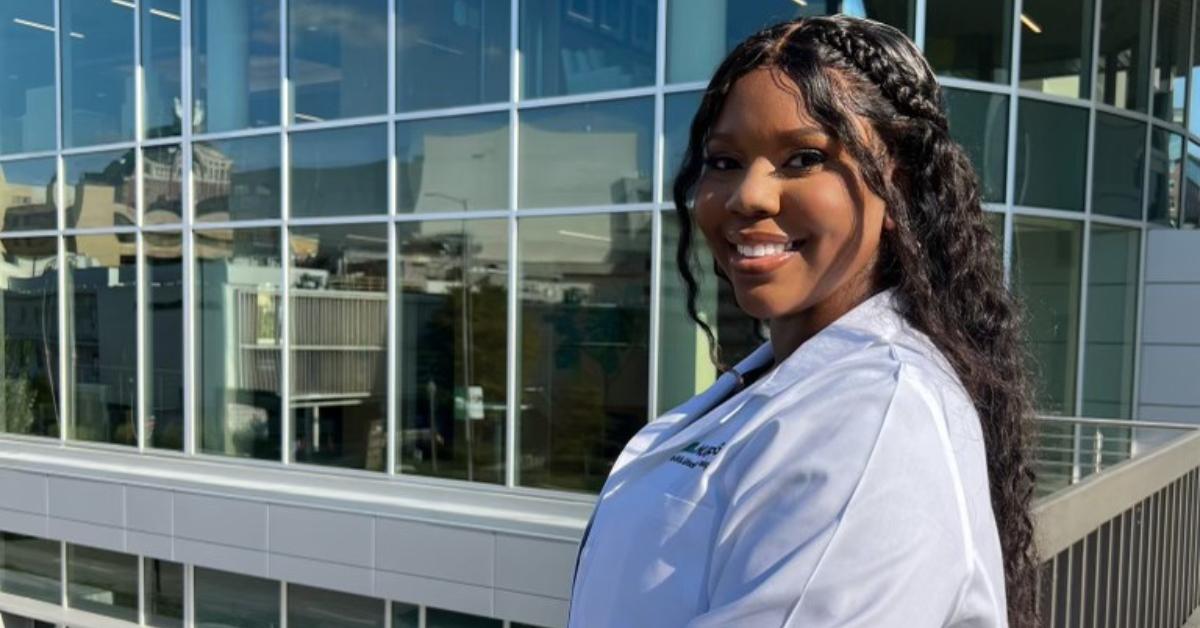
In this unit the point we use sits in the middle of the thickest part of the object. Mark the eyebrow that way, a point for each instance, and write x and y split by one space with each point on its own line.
791 135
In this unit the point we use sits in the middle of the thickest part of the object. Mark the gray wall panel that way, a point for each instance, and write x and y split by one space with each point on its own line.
149 544
324 575
92 535
443 552
23 491
23 523
323 535
148 510
84 500
222 557
531 609
448 595
534 566
222 520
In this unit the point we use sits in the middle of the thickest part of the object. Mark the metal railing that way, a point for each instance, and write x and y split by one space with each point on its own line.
1120 540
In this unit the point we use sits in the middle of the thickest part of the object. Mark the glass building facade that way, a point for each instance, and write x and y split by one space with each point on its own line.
432 242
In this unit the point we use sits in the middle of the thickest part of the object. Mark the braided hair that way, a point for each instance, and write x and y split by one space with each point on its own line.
941 256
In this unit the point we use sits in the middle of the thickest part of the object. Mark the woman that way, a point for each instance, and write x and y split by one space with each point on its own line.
867 466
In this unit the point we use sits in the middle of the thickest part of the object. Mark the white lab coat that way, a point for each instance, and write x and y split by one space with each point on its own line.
846 487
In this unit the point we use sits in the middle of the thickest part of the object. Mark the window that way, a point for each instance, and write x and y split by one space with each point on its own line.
685 367
1191 187
309 607
438 618
97 67
678 111
235 64
468 40
1051 142
1169 79
29 345
236 179
1056 46
339 172
163 351
102 582
28 95
979 122
163 593
101 189
337 58
453 164
584 335
587 154
162 184
228 600
973 44
27 194
1111 326
1119 168
405 615
452 350
1123 66
162 65
1166 165
580 47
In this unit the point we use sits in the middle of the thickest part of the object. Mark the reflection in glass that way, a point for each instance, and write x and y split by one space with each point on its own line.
405 615
102 338
438 618
1046 272
587 154
162 65
452 164
581 47
235 64
102 582
163 593
309 607
236 179
971 44
1123 65
451 349
701 32
163 351
585 286
1166 165
229 600
339 172
97 72
979 122
678 111
1168 81
29 343
467 39
1193 113
1051 139
162 184
996 223
100 189
30 567
1112 317
1056 57
684 365
27 194
1119 169
237 285
1191 187
337 58
27 67
339 345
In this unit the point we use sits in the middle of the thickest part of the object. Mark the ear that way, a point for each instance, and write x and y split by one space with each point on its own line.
888 223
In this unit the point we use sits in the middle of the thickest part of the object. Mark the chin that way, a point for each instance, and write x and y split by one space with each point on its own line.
759 302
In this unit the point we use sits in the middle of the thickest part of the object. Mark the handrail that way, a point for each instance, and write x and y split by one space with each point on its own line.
1130 423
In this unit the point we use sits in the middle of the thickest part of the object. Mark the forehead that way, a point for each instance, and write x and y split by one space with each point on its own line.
765 100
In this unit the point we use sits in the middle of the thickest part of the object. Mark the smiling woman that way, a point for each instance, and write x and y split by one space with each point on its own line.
865 466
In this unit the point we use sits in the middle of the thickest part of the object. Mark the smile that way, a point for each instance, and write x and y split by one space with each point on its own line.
760 258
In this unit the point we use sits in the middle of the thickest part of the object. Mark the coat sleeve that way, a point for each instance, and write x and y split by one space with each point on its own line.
802 544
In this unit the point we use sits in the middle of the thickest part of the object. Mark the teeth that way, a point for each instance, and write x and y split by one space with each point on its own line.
760 250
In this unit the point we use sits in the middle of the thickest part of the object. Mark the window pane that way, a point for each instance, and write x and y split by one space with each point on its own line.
229 600
29 344
163 593
1120 161
235 64
453 164
102 282
27 63
100 190
452 410
1051 143
1056 56
162 65
1193 114
339 172
684 366
581 46
27 195
97 72
29 567
678 111
701 32
1169 79
589 154
163 351
438 618
584 331
309 607
973 44
337 58
162 184
1112 316
339 309
102 582
1191 187
236 179
405 615
1046 264
979 121
1166 163
468 40
237 345
996 223
1124 62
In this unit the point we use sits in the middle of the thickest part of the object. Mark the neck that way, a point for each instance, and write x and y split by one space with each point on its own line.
792 330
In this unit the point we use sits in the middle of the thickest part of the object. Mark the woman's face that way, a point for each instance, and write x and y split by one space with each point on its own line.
783 207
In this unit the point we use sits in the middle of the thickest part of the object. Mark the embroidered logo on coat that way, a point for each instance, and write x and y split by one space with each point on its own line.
697 454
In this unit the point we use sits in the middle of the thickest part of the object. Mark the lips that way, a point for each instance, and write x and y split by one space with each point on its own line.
761 258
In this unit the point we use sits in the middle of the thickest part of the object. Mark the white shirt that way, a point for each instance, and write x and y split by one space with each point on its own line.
846 487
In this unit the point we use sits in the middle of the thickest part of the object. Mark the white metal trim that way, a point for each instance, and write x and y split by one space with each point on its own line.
513 301
658 176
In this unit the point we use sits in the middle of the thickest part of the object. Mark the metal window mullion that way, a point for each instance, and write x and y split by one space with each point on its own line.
187 240
920 9
392 445
1010 168
656 227
285 344
189 594
62 575
512 335
283 604
285 207
141 594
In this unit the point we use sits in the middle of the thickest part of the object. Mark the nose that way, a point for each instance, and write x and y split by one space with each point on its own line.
757 194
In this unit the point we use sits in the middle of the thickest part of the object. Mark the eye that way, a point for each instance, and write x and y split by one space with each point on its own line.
806 159
720 162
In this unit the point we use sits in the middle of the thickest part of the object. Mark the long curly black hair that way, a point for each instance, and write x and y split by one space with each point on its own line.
941 257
